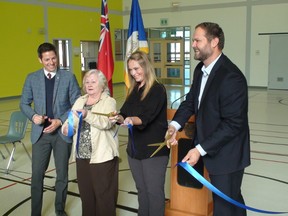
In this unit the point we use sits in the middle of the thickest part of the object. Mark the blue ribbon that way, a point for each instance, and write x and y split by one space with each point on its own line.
212 188
71 127
130 127
116 132
70 124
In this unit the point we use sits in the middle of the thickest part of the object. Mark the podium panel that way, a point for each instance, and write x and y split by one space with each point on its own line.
188 197
183 177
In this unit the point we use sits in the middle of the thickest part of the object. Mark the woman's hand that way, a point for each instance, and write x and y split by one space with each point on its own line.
114 117
83 111
64 130
128 121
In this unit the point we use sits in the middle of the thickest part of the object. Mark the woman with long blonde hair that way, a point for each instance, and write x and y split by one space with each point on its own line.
145 113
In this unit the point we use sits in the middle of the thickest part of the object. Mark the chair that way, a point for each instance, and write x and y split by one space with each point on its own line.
16 132
2 154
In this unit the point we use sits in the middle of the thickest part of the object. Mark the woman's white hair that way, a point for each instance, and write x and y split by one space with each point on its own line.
102 81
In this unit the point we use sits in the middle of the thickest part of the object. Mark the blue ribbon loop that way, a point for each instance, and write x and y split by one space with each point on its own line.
212 188
71 127
70 124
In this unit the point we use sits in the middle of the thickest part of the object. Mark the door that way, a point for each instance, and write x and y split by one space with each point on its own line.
278 58
167 58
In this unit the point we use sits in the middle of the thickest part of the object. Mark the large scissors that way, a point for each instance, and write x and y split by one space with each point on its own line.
161 145
111 114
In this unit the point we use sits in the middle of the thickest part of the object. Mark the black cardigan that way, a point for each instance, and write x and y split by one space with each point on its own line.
153 113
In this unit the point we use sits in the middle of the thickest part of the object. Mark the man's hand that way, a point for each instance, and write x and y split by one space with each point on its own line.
39 119
170 136
54 124
192 157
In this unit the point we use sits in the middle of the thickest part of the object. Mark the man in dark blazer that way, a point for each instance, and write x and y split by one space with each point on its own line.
52 93
219 100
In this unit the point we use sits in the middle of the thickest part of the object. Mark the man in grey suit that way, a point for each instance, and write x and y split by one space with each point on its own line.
219 100
52 92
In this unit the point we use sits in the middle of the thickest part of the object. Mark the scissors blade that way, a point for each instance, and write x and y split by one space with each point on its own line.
155 144
161 145
158 149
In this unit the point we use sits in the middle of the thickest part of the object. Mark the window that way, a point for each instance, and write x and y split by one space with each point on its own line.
121 36
89 54
63 49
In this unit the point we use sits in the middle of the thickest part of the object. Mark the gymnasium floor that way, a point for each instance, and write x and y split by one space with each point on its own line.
265 183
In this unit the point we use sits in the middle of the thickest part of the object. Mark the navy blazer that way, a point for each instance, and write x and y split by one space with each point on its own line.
66 91
222 118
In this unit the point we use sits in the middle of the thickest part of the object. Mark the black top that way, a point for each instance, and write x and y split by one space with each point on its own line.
153 113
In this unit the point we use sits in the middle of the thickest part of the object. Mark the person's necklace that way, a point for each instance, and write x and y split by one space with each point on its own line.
92 101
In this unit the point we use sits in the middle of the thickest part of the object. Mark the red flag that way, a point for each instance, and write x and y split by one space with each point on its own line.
105 55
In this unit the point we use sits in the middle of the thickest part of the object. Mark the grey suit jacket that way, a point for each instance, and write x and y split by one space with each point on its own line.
66 91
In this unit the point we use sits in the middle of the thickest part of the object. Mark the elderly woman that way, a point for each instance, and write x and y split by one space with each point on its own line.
96 152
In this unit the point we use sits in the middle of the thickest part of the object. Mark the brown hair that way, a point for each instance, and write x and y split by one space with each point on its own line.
213 30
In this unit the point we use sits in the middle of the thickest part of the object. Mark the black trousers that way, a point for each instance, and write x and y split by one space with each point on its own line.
229 184
98 187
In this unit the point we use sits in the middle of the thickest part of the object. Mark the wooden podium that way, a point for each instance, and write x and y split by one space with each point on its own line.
186 201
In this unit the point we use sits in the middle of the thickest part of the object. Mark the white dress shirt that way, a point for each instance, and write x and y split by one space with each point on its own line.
52 73
206 72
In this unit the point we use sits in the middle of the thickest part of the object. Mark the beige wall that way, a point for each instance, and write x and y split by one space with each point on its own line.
241 20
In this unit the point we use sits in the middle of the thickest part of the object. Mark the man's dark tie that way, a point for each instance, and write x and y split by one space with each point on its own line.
49 76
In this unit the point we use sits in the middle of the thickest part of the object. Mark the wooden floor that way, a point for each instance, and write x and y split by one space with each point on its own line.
265 184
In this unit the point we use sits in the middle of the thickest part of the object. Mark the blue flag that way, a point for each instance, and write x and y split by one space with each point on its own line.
136 34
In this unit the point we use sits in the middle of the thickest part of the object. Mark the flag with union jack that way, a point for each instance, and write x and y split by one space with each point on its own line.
105 55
